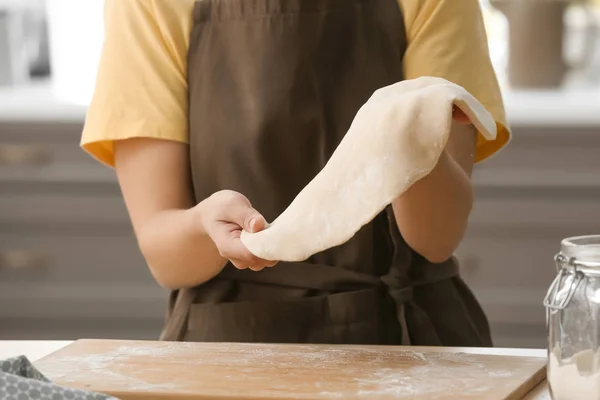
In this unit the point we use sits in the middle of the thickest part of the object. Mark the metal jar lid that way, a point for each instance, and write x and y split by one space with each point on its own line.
579 256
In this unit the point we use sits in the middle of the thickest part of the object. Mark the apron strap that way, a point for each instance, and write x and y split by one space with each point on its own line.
305 276
400 287
329 279
180 303
310 276
408 310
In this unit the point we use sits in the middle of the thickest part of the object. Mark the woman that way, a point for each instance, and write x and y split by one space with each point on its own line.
216 113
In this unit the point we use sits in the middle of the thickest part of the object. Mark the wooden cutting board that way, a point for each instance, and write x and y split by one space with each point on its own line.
168 370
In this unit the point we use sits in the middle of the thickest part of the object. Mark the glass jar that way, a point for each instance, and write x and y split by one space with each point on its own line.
573 319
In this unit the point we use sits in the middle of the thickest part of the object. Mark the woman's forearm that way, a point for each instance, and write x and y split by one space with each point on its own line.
432 215
154 176
178 251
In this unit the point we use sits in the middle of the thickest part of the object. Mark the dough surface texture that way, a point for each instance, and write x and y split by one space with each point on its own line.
395 139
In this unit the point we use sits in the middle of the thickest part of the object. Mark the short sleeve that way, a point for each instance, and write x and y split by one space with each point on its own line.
141 84
447 39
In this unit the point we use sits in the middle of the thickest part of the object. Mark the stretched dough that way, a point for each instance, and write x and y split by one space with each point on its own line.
394 140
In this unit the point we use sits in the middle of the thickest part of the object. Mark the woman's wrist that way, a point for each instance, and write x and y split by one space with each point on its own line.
196 218
202 214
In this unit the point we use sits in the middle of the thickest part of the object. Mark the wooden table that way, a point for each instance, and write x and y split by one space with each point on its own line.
35 350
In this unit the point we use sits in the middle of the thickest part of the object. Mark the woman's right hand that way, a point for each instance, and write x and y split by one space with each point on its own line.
223 216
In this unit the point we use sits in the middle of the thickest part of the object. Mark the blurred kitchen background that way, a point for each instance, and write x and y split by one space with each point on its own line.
69 265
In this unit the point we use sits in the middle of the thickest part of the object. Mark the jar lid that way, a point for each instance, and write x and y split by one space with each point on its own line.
583 249
579 256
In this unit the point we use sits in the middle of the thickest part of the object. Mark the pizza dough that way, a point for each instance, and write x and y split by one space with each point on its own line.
395 139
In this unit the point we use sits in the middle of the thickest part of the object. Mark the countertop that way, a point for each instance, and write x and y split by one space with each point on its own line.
35 350
573 106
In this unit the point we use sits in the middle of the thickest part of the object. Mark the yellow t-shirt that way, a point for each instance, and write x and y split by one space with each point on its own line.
141 87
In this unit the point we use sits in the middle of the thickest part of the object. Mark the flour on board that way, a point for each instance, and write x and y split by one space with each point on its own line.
377 374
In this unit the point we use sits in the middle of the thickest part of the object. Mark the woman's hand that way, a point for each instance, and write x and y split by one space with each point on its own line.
223 216
459 116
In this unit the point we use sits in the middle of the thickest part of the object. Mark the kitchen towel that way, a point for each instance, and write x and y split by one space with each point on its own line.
20 380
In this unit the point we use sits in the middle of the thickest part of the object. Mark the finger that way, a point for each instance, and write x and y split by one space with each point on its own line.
256 224
261 264
242 214
459 116
231 247
248 254
257 268
239 264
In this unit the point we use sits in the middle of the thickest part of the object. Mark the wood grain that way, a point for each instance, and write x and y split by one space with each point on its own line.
168 370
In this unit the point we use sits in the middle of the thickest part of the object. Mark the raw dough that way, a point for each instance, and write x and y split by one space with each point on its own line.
395 139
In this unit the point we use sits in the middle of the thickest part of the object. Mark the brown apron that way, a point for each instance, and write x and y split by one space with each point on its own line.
273 87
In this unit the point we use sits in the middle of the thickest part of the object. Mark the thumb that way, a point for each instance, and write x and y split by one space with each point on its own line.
246 217
254 223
